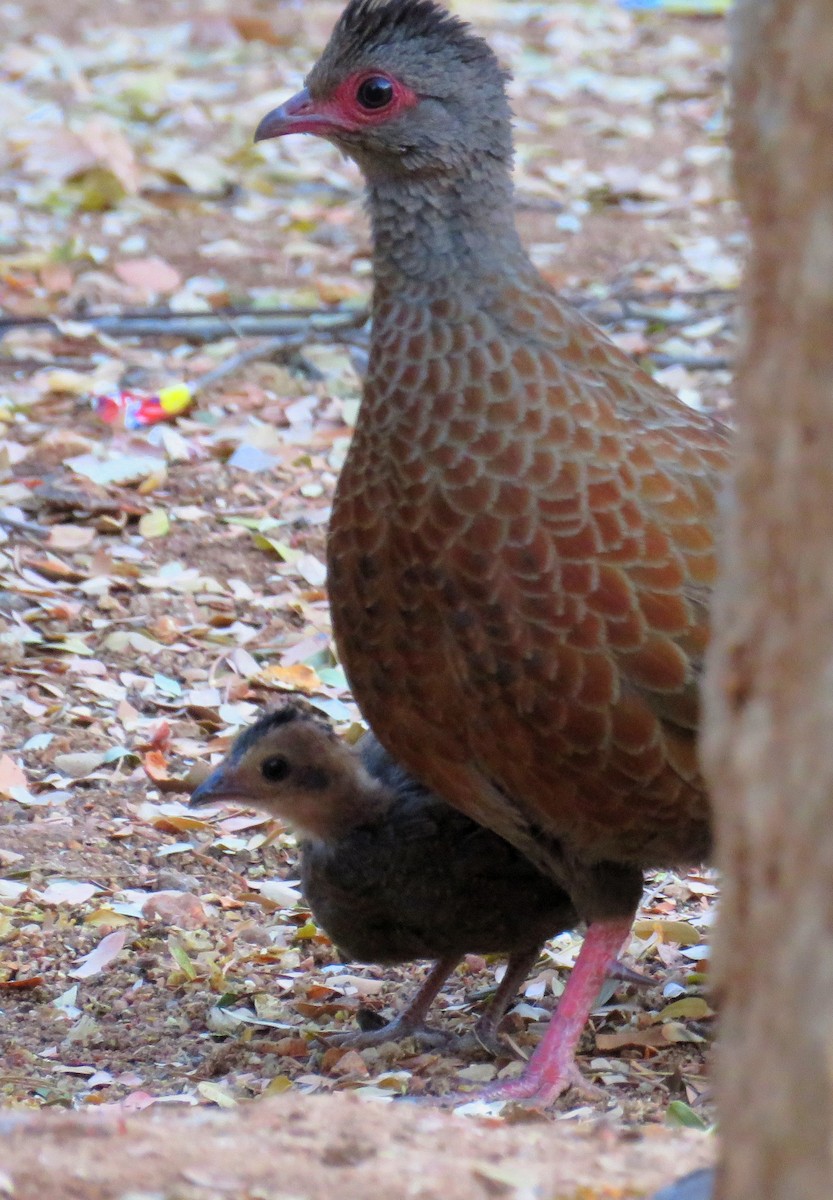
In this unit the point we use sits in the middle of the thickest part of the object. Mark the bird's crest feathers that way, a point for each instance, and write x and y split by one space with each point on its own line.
282 714
366 23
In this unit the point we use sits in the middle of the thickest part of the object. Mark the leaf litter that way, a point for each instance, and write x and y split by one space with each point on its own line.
158 585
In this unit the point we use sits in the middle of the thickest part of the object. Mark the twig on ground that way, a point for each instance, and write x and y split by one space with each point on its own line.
658 316
27 528
286 322
312 325
46 364
692 362
283 347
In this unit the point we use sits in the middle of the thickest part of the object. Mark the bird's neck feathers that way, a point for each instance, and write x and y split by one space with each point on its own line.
437 234
354 800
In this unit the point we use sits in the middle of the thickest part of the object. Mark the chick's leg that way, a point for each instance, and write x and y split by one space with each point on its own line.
517 970
411 1021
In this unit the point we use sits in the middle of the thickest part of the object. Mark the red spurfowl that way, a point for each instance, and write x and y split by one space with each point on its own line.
390 871
522 542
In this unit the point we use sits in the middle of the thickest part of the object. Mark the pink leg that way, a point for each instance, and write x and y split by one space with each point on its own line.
517 969
552 1068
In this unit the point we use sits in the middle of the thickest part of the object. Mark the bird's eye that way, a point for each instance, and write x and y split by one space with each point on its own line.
375 92
275 769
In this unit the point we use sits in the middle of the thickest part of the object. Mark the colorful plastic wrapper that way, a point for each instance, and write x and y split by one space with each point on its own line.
135 410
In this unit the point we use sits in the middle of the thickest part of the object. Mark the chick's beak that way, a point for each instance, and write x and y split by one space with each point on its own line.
296 115
218 788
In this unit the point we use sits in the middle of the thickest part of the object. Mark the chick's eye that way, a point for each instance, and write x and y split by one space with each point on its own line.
375 92
275 769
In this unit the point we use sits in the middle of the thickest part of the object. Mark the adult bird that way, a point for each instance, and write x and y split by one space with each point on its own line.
521 549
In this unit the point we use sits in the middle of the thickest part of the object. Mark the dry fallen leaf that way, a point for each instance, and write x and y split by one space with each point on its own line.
154 524
680 932
67 891
151 276
156 766
294 678
79 764
69 537
179 909
11 775
107 950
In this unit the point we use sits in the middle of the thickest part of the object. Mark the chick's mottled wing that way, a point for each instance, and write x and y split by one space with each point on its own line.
387 891
427 882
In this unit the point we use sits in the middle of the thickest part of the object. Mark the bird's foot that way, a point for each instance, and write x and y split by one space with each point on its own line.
392 1031
625 974
552 1068
486 1036
534 1088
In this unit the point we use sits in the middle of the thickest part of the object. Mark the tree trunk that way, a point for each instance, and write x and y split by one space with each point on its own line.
768 739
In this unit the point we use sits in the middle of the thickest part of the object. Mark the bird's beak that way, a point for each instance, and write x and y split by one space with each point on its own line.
218 788
299 114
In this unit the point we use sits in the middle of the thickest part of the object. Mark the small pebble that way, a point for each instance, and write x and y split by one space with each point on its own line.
169 880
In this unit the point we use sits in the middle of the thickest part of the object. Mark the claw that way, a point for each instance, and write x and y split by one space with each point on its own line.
393 1031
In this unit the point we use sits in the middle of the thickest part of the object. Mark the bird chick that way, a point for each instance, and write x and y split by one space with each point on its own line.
390 871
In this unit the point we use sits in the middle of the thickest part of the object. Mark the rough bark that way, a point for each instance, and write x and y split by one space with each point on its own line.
768 745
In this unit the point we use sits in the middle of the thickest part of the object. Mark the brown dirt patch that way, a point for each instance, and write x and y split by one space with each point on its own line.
339 1146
